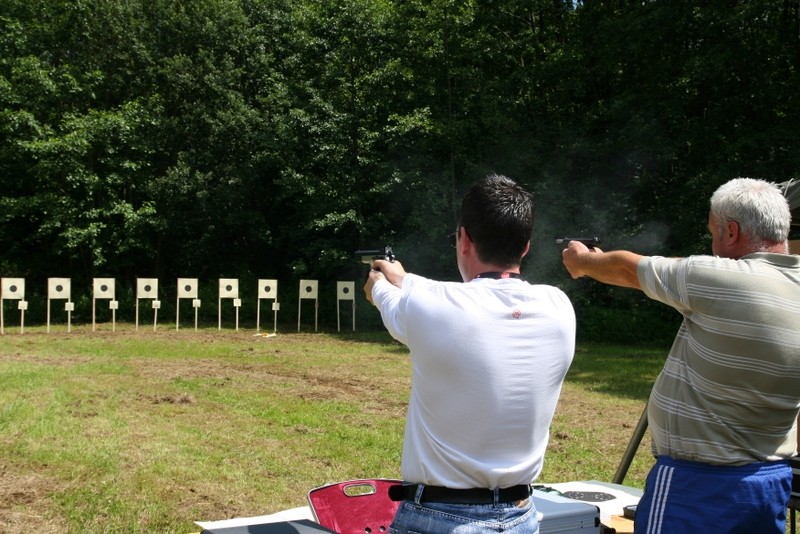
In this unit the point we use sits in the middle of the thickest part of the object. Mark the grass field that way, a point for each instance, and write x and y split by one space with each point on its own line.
149 431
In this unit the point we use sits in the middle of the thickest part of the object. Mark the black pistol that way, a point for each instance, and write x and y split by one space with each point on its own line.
590 242
368 256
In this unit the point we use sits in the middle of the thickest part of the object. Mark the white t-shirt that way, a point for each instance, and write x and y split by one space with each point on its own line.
488 361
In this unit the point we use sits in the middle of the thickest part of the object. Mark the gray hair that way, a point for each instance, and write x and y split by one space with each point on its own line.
758 206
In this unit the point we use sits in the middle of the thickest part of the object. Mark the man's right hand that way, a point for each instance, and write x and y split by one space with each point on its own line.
392 271
572 256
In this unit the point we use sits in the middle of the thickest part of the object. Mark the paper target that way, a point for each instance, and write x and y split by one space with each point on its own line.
104 288
309 289
268 289
12 288
147 288
345 290
187 288
228 288
58 288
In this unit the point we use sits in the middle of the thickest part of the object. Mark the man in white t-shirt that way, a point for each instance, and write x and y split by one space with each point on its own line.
489 357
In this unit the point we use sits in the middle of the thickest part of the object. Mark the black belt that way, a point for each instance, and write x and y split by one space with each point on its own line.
459 496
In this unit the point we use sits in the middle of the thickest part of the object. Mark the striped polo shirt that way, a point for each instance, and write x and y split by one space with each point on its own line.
729 392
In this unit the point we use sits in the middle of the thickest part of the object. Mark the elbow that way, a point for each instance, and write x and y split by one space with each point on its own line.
632 281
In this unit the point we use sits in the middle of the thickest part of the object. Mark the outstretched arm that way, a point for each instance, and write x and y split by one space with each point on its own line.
616 268
393 272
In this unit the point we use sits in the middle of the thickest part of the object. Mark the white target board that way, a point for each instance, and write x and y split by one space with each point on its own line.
187 288
267 289
345 290
147 288
309 289
228 288
59 288
12 288
103 288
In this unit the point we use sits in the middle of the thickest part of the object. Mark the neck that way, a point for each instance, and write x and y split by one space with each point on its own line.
499 275
771 246
484 271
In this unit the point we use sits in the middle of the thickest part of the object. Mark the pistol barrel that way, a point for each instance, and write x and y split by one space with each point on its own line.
367 256
590 242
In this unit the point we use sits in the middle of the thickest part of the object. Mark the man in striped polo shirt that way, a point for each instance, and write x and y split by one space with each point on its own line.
723 412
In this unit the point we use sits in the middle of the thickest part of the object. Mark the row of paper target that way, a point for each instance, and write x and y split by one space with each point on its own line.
147 288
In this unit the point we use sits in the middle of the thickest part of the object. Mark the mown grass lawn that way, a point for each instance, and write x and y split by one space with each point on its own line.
149 431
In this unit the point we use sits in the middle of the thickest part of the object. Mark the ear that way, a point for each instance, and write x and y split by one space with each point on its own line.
527 249
732 233
464 241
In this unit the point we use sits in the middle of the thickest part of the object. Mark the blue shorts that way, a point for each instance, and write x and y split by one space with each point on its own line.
682 496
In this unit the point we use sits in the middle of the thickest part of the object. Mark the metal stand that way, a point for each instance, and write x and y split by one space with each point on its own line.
187 289
13 289
633 445
309 289
59 288
268 289
228 289
345 291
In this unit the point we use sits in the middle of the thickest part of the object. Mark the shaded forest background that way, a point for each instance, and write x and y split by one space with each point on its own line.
272 138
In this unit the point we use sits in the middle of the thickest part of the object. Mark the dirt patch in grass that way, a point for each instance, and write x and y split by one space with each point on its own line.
331 383
24 500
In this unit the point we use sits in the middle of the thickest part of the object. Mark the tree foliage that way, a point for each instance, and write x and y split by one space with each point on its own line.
271 138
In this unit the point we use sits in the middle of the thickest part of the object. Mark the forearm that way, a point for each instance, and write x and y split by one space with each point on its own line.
386 297
616 268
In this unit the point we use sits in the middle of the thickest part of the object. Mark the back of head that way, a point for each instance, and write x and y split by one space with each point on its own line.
498 216
758 206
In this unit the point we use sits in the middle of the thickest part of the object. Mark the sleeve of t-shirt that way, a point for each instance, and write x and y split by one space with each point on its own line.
664 279
389 300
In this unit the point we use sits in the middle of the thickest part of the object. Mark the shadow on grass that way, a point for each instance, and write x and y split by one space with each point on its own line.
380 337
622 371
